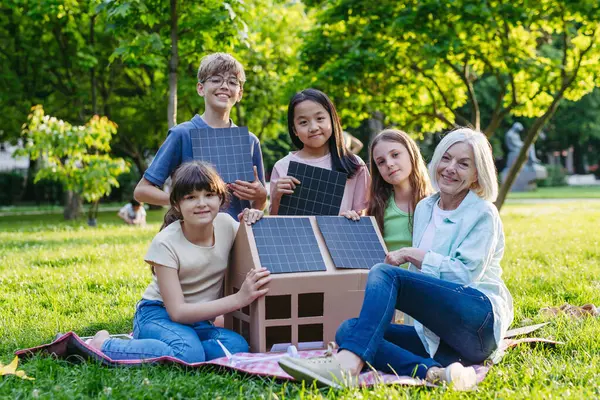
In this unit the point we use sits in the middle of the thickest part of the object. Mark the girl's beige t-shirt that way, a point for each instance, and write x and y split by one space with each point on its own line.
201 269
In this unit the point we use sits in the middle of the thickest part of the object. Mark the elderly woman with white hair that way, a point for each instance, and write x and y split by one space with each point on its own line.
452 288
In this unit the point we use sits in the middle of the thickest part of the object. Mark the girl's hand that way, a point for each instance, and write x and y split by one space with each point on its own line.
412 255
250 215
285 185
251 288
351 214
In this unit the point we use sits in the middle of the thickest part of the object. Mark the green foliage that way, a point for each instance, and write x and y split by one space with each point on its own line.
270 55
12 186
417 61
278 148
74 155
557 176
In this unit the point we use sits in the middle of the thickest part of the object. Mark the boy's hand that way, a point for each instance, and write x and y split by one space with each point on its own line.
250 215
252 191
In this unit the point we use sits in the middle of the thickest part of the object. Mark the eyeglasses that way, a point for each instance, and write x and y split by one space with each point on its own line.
218 80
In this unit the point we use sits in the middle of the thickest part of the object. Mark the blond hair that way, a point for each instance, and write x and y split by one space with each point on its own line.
486 185
219 63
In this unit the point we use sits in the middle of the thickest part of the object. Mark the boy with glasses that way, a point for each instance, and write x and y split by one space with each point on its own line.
221 82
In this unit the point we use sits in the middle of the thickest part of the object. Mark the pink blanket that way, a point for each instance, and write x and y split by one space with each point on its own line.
71 347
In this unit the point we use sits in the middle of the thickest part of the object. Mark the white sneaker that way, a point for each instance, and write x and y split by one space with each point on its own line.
325 371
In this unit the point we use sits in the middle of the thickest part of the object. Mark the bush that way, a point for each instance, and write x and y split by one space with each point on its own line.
12 186
274 150
557 176
127 183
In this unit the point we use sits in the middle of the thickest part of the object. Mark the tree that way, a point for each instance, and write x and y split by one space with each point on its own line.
270 53
581 132
77 156
418 61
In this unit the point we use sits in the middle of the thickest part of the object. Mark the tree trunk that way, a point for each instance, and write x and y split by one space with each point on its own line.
93 213
375 124
522 157
578 158
173 63
29 193
94 82
73 206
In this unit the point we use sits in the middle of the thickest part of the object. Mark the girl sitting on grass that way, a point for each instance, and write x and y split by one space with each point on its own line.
189 257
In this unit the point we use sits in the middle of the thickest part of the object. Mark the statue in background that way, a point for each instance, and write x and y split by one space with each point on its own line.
532 170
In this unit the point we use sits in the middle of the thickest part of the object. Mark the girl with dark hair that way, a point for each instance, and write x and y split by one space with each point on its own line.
189 257
315 129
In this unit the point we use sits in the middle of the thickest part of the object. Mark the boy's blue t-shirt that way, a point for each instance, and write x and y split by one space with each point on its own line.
177 149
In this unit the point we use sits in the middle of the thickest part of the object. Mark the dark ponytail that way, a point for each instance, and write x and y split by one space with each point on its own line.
171 216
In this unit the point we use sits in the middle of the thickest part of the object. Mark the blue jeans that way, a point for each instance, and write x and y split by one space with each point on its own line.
461 316
155 335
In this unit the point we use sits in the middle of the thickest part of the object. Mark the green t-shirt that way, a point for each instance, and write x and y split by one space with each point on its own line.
396 232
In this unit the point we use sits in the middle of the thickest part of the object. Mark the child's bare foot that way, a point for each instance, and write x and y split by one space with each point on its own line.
98 340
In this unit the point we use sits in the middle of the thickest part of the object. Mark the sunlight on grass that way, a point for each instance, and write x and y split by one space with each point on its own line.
57 276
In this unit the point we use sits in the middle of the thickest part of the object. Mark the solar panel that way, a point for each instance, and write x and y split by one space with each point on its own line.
227 149
287 245
352 244
320 191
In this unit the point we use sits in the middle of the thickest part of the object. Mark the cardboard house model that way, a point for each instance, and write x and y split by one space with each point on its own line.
319 267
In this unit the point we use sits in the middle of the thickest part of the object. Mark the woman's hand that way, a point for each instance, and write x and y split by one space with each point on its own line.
351 214
250 215
285 185
412 255
251 288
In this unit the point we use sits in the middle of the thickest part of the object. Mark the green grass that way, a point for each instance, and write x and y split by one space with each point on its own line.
51 208
562 192
57 276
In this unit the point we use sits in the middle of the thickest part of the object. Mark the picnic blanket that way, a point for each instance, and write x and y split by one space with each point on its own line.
72 348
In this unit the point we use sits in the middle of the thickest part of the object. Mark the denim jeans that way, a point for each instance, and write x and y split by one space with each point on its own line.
461 316
155 335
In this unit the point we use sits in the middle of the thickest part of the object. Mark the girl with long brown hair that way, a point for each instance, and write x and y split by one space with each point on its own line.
189 257
399 180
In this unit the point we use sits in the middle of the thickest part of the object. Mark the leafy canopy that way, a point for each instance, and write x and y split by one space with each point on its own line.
417 60
77 156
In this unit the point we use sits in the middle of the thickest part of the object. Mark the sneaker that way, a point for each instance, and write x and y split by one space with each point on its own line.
459 377
325 371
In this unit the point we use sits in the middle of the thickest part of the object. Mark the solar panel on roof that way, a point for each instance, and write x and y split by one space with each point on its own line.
320 191
352 244
287 245
227 149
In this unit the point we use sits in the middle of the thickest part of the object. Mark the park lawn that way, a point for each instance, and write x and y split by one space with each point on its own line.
561 192
57 276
